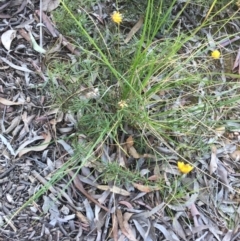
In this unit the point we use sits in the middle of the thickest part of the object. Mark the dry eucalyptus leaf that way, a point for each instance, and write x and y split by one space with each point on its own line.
214 161
194 210
49 5
66 147
130 234
129 142
143 188
35 138
21 68
7 144
7 38
15 122
144 229
135 28
82 218
9 102
132 151
235 155
220 130
169 236
114 189
223 174
177 227
39 147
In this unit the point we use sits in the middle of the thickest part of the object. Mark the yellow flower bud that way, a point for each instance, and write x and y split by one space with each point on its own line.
215 54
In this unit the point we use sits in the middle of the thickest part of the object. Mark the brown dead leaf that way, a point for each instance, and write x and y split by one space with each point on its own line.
135 28
40 147
9 102
129 142
143 188
82 218
132 151
120 222
127 204
153 178
114 227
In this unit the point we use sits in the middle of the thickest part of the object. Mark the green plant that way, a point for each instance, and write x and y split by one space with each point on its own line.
166 90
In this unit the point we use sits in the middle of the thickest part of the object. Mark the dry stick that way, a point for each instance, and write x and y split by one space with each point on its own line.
80 187
40 29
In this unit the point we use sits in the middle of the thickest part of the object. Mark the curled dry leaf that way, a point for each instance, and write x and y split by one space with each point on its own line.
40 147
214 161
7 38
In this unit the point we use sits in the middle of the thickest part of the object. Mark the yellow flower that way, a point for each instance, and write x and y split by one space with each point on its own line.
122 104
184 168
117 17
215 54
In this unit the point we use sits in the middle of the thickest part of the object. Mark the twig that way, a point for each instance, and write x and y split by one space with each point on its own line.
40 29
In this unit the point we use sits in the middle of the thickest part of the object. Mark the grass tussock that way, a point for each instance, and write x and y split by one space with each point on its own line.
163 84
